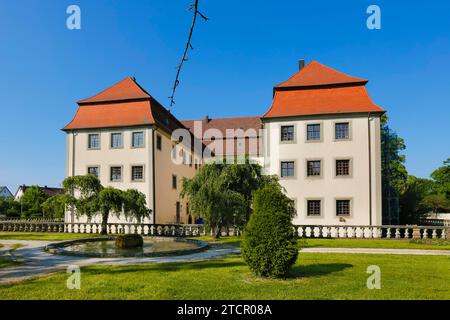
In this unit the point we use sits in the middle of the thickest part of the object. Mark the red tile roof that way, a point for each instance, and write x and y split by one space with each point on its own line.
317 89
127 89
121 105
317 74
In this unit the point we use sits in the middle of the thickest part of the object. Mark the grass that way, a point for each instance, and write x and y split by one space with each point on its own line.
43 236
315 276
428 244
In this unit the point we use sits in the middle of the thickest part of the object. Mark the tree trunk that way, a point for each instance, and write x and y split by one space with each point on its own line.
105 216
217 230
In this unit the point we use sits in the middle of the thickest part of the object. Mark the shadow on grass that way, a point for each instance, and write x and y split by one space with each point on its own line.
313 270
167 267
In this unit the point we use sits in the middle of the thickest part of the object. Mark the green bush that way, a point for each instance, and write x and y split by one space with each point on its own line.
270 246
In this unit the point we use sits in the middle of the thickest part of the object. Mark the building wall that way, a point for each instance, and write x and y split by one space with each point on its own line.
328 187
166 195
105 157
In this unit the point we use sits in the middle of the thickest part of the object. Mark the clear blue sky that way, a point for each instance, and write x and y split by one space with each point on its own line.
245 48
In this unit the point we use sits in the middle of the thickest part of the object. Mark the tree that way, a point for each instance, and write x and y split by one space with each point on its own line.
211 197
9 207
393 171
32 200
412 207
437 202
55 207
86 196
270 246
441 177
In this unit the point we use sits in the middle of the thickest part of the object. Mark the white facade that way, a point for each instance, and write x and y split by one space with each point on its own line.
362 186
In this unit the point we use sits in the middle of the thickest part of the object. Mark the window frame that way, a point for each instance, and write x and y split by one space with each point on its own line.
320 215
319 176
158 142
131 173
350 167
111 140
132 139
110 173
93 166
89 135
174 182
294 175
350 130
294 133
350 207
320 124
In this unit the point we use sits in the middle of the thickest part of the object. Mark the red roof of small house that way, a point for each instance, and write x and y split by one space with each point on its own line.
319 90
122 105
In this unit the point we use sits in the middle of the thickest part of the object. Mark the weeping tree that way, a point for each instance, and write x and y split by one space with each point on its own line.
86 196
222 193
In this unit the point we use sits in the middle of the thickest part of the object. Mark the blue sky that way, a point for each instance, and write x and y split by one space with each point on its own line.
245 48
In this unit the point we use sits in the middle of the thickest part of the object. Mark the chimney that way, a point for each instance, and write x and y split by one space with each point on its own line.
301 64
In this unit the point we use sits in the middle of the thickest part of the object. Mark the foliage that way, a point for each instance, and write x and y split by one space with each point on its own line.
412 207
270 246
87 196
54 207
211 197
32 200
393 171
441 177
9 207
437 202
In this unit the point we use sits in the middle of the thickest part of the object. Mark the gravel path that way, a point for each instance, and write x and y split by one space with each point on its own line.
38 262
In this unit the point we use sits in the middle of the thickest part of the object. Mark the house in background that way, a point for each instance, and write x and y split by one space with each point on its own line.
49 192
321 136
5 193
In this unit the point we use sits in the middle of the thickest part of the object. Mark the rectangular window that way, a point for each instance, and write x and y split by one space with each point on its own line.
287 133
313 207
116 173
174 181
158 142
313 132
137 173
93 171
342 131
342 208
138 139
94 141
342 167
190 160
313 168
287 169
116 140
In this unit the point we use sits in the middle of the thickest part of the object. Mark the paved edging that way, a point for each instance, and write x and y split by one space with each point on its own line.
378 251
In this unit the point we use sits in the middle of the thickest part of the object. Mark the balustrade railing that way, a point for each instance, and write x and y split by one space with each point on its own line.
190 230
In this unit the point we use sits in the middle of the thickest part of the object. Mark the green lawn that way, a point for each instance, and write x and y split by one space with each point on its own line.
351 243
315 276
43 236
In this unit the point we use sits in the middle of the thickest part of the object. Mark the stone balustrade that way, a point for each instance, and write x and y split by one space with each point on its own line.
186 230
374 232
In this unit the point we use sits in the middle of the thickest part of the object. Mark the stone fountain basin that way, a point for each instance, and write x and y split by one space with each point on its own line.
104 247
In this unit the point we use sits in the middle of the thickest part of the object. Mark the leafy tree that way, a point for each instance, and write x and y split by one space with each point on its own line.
441 177
211 197
412 206
32 200
9 207
270 246
393 171
87 196
437 202
54 207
